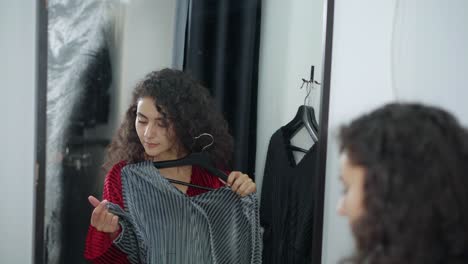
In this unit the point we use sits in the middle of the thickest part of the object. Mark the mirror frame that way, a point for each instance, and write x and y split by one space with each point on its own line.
41 132
41 117
327 46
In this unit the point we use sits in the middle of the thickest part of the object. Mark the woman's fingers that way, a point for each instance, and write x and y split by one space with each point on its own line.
108 225
107 221
101 219
115 223
235 180
96 215
246 187
250 189
232 177
99 215
101 210
241 183
93 200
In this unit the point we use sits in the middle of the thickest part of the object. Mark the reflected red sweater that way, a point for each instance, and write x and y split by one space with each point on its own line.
99 247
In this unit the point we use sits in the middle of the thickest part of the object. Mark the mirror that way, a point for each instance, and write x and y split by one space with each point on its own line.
264 62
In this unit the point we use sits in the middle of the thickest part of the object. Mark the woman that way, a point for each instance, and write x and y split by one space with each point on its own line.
404 168
168 111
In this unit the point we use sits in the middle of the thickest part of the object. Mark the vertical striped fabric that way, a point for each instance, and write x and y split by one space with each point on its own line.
163 225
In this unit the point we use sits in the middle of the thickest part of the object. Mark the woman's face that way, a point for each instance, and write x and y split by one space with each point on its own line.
351 204
159 141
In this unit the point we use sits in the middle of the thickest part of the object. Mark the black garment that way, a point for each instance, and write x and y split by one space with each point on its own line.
287 204
221 50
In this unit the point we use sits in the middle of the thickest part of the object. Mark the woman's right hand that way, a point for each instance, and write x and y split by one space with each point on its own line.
101 219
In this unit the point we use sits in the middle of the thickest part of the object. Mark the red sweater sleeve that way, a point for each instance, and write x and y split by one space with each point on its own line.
99 247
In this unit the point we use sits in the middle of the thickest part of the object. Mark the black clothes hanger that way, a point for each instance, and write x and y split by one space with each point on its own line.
200 159
311 117
291 147
305 117
309 111
197 158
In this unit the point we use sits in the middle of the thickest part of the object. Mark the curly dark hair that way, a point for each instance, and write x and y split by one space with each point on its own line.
184 103
415 187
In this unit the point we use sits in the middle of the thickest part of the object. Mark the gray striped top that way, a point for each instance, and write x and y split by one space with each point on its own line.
161 224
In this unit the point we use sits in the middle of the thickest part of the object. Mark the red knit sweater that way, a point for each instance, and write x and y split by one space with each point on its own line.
99 247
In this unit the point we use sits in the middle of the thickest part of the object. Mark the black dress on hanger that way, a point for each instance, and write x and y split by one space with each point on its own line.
287 202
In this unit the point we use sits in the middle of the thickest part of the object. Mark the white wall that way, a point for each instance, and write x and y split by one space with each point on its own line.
146 31
290 42
410 50
430 53
17 141
361 81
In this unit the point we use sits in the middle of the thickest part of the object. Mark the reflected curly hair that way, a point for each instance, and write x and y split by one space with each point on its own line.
416 185
184 104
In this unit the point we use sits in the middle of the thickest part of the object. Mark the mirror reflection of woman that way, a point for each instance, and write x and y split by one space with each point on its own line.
404 168
169 109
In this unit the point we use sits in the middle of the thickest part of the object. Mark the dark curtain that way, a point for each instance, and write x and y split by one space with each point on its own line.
221 50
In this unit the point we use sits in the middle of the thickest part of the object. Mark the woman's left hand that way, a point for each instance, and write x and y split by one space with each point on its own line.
241 183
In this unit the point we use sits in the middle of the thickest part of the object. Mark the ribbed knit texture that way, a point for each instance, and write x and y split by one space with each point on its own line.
161 224
99 247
